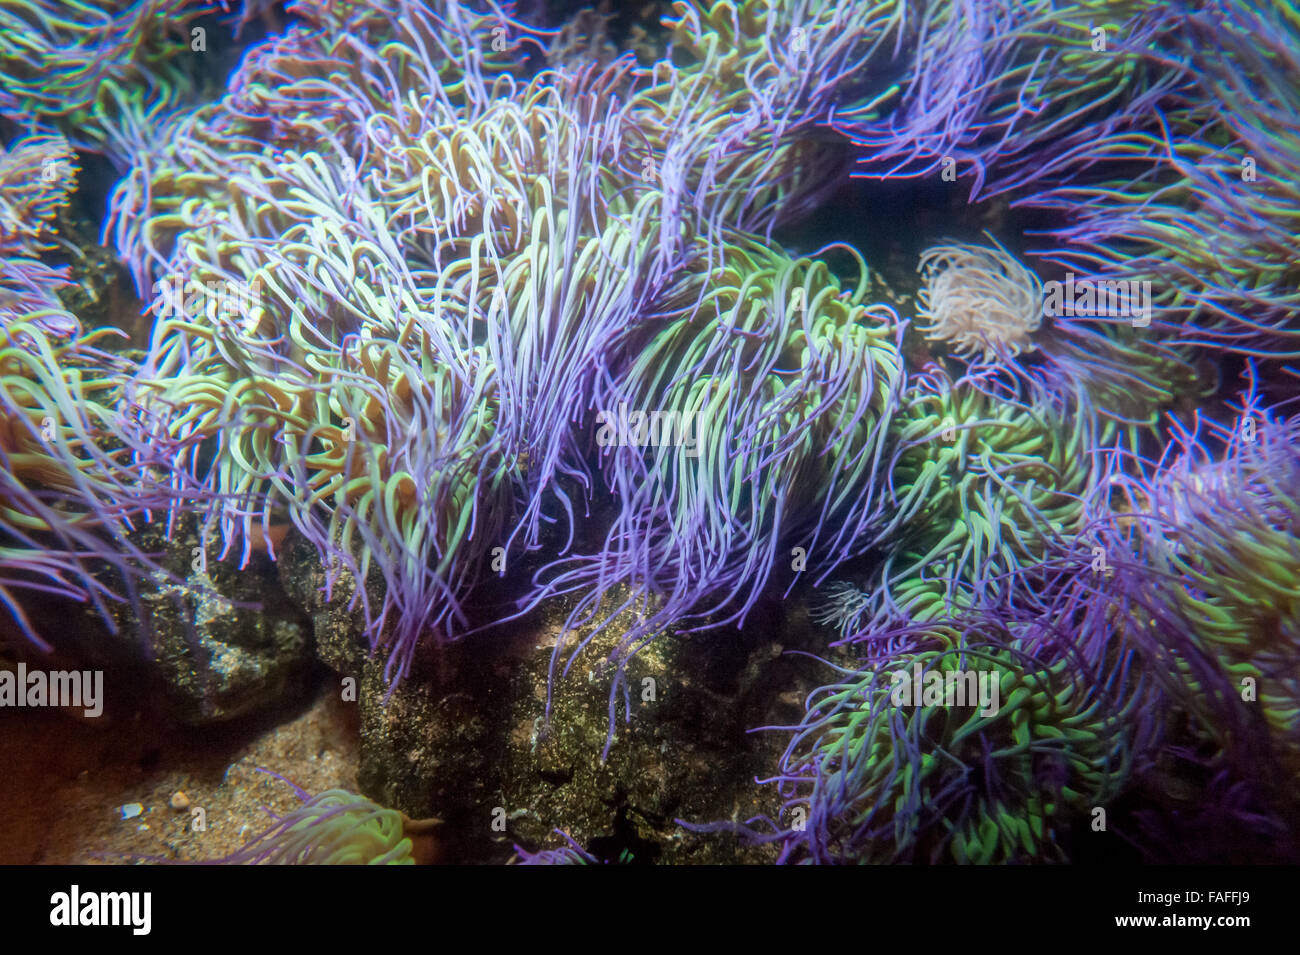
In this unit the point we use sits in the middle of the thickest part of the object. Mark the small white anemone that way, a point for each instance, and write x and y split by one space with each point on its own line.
979 298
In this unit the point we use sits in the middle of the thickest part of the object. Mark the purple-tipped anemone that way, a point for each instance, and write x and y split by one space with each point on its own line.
875 775
572 853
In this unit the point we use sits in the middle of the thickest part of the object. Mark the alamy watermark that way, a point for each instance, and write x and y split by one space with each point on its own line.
947 688
655 429
219 302
127 909
1102 298
77 689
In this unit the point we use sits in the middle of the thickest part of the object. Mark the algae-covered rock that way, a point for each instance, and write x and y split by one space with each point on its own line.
466 738
338 626
685 752
223 642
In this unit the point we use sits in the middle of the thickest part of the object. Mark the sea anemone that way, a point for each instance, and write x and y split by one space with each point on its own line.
328 354
982 484
37 176
1208 221
786 385
1163 134
571 853
493 269
979 299
68 64
840 605
70 491
1205 548
871 776
335 827
756 82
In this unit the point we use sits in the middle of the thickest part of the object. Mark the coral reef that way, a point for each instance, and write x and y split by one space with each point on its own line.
479 336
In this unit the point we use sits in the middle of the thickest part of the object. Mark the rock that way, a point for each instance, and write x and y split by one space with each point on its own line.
339 632
465 738
223 642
